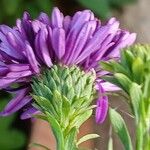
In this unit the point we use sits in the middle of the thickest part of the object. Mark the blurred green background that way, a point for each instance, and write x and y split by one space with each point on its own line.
12 9
14 132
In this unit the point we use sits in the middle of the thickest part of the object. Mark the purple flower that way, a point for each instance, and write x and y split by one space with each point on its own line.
32 44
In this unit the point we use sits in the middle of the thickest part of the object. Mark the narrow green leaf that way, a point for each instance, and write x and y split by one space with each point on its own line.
42 117
136 96
87 137
107 66
127 59
137 69
124 81
81 118
147 86
45 105
120 128
66 108
119 68
112 80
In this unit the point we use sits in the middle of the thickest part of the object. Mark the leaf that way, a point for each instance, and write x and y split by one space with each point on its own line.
107 66
66 107
119 68
81 118
124 81
57 131
120 128
136 96
87 137
147 86
127 59
42 117
138 69
70 139
45 105
112 80
38 145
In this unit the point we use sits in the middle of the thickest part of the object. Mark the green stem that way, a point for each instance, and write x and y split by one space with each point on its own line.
139 136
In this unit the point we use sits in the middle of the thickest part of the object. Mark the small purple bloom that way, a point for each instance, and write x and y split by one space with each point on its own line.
33 44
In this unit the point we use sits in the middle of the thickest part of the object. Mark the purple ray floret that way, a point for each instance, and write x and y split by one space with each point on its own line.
33 44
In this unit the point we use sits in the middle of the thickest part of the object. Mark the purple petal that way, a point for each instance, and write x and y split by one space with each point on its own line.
78 21
95 43
18 67
43 47
43 17
66 23
16 103
80 18
16 75
101 110
29 113
109 87
31 58
82 38
6 82
37 25
102 106
58 42
3 70
57 18
107 43
124 39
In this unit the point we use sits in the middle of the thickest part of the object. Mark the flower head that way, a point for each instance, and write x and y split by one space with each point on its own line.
33 45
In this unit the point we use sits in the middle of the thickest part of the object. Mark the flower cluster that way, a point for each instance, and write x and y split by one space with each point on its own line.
33 45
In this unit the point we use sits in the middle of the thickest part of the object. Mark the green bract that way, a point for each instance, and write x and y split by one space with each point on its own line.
64 96
132 74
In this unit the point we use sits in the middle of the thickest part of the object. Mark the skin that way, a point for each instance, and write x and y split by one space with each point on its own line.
42 134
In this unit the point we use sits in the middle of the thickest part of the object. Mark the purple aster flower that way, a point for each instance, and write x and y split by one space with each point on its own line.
34 44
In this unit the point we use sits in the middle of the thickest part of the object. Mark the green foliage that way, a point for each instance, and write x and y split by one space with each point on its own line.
12 9
120 128
10 138
103 8
64 95
132 74
87 137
